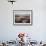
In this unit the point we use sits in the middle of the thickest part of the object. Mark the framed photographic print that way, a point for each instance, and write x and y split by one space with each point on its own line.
22 17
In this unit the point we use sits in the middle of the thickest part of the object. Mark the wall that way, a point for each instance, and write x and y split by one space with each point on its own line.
38 30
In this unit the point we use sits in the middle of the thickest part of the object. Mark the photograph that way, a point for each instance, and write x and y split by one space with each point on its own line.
22 17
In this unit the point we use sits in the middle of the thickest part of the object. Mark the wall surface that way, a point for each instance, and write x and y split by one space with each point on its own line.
37 31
